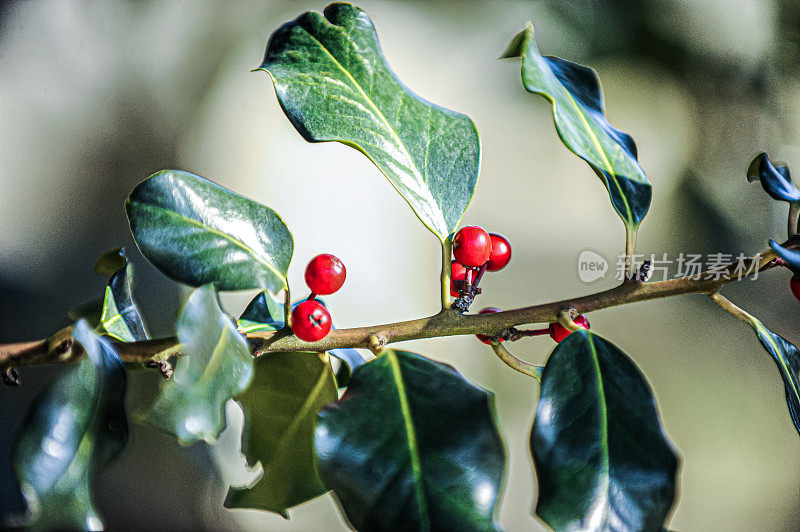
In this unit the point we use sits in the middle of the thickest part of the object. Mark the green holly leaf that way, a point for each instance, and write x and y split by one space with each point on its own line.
74 429
263 313
281 407
334 84
119 316
579 115
787 358
197 232
217 366
602 458
412 445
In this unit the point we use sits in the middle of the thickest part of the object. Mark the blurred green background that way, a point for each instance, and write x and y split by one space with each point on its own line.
94 97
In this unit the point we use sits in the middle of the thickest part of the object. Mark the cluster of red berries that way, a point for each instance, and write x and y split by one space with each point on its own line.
475 250
311 321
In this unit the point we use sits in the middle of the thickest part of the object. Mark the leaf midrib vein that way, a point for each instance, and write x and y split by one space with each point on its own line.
603 411
411 439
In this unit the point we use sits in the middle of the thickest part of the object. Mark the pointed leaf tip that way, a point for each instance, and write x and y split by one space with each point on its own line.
775 178
787 357
579 115
790 256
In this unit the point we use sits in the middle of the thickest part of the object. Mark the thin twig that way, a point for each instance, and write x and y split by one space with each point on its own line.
531 370
732 309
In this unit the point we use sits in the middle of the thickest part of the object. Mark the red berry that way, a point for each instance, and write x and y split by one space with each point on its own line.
458 273
482 337
325 274
794 284
472 246
311 321
500 254
558 332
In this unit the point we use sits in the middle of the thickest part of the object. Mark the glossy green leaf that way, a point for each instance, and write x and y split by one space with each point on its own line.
281 407
787 358
75 428
411 445
197 232
263 313
334 84
217 366
602 458
579 116
119 316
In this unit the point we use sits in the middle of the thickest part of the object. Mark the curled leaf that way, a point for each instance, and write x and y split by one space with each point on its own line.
579 116
790 256
119 316
774 177
787 358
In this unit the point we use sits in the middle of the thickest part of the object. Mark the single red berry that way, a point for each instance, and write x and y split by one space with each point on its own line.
311 321
325 274
472 246
558 332
794 284
458 274
482 337
500 254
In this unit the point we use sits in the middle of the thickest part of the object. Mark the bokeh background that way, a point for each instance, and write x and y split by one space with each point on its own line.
94 97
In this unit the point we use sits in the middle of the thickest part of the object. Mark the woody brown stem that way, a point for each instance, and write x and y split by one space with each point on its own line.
448 322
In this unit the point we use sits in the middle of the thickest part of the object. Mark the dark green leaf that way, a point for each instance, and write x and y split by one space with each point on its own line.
197 232
774 177
579 115
281 407
334 85
412 445
73 431
263 313
787 358
217 366
602 458
119 316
